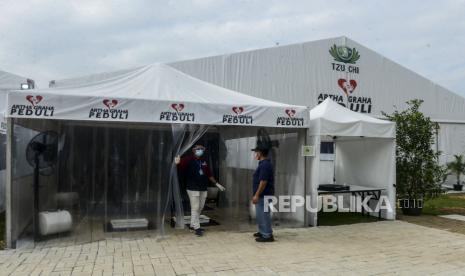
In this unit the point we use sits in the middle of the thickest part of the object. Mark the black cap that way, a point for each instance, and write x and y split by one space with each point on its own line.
261 149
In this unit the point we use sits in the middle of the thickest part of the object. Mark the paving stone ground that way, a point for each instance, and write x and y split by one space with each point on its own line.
380 248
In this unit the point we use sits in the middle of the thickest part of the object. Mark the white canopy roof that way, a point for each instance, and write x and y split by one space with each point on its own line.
330 118
155 93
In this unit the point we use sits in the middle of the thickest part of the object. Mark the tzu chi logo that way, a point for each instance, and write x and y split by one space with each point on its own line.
109 111
344 54
236 117
176 113
33 107
290 118
345 59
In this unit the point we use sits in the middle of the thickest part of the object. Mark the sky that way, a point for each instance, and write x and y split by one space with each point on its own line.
45 40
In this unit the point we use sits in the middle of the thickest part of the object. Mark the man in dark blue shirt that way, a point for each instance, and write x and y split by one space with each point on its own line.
263 185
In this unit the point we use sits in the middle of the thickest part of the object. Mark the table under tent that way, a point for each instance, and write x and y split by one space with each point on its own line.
364 161
86 161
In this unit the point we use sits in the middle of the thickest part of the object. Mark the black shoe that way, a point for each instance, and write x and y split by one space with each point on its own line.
192 229
198 232
257 235
262 239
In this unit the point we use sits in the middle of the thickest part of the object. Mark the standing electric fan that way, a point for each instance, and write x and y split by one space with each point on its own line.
41 154
264 140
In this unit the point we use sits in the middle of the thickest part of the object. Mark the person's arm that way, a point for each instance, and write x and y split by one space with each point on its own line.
261 188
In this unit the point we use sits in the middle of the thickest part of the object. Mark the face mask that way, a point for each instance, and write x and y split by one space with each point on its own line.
198 152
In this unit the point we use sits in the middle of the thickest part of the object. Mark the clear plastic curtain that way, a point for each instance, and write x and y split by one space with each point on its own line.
22 188
237 166
184 137
114 178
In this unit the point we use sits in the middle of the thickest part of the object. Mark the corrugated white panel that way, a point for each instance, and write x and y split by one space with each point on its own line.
451 141
301 73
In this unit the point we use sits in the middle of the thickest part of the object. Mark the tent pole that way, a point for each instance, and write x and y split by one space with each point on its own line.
305 142
105 171
8 187
148 166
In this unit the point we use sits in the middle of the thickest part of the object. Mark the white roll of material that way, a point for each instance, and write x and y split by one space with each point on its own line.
55 222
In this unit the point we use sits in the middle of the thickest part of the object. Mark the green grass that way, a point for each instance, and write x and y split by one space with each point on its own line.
334 218
445 205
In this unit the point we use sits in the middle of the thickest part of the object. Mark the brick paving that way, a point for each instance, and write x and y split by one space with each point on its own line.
380 248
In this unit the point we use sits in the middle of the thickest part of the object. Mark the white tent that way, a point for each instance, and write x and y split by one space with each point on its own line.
365 150
118 135
330 118
154 94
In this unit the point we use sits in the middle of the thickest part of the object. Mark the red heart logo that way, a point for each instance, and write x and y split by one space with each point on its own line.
34 100
178 107
347 86
238 109
110 103
290 112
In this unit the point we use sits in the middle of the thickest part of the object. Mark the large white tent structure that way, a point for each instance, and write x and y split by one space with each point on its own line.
339 68
344 70
354 133
117 138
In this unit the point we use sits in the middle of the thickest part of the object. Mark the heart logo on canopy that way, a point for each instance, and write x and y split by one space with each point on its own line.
238 109
110 103
347 86
34 100
290 113
178 107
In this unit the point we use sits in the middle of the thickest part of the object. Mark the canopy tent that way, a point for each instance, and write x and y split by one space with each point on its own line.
330 118
364 150
155 94
118 138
